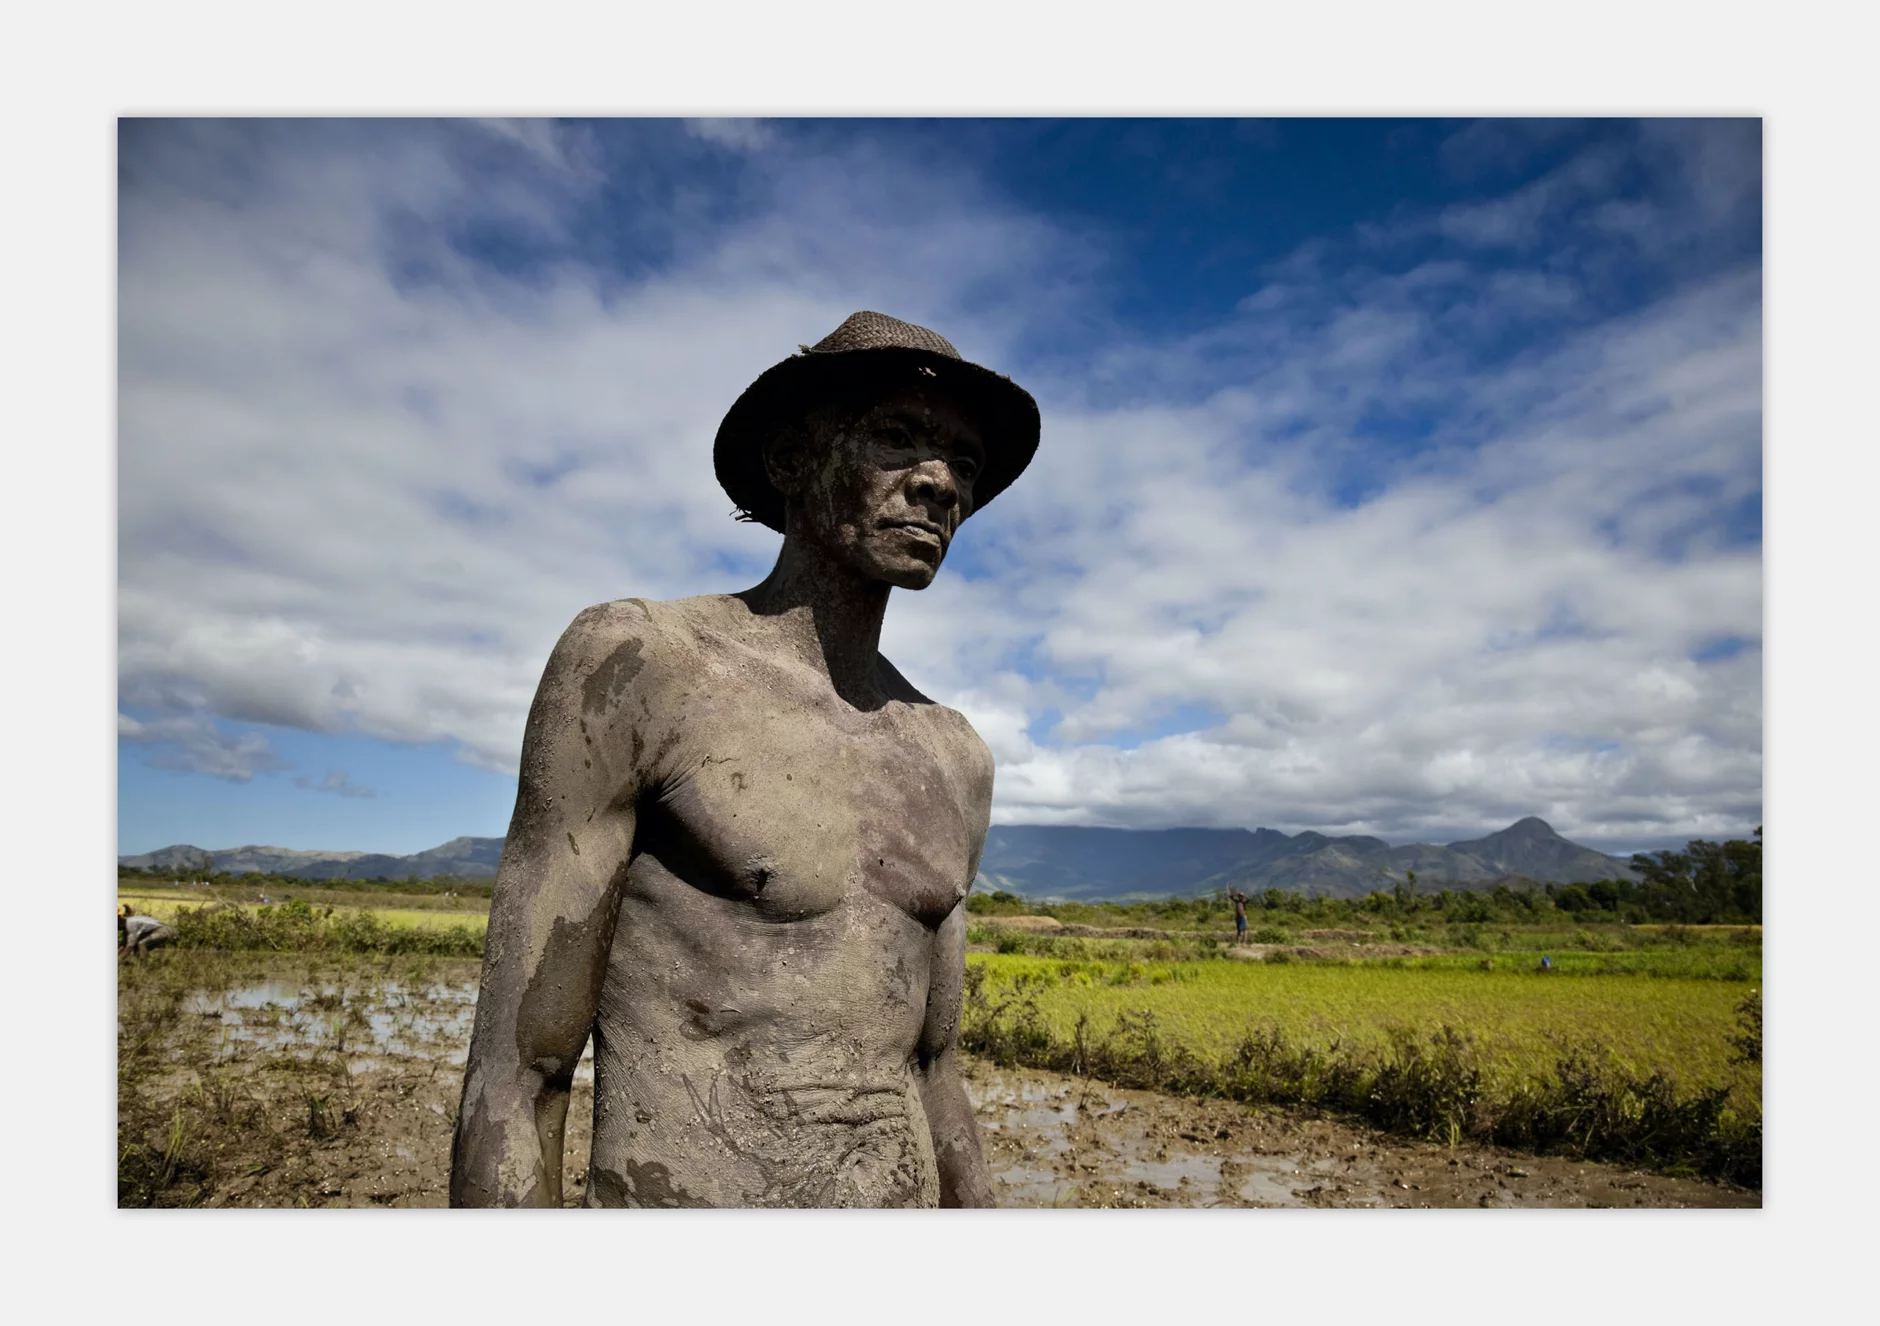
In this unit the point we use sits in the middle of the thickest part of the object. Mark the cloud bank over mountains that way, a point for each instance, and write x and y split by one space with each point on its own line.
1451 518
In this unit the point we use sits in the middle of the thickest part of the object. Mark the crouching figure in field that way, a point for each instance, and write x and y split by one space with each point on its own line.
137 935
742 841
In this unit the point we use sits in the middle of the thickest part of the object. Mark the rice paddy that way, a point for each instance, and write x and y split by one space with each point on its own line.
1601 1041
1518 1015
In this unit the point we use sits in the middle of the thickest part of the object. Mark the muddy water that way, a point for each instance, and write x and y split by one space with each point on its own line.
369 1028
387 1054
1056 1141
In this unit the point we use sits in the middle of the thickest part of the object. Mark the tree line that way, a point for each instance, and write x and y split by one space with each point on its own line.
1705 884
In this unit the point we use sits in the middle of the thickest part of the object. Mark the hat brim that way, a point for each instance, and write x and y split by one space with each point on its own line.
1005 412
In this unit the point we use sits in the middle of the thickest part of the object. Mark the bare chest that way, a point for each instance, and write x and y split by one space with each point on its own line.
790 801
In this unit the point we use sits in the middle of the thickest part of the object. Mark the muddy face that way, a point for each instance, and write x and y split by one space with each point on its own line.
882 488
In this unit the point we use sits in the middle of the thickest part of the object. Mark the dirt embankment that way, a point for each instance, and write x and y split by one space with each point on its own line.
1316 944
1030 924
1328 953
1050 925
293 1084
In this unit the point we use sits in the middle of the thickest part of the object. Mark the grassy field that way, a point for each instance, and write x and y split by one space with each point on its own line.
164 905
1518 1015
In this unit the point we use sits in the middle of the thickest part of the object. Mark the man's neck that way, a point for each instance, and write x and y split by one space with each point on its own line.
829 616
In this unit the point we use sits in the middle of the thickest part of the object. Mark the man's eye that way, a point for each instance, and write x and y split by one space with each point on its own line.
895 437
966 467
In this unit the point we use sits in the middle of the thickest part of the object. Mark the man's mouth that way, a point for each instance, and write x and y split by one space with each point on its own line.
918 526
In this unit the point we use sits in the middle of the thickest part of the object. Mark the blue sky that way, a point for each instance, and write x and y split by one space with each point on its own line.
1398 476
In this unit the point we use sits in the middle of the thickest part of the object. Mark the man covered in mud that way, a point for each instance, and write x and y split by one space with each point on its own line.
137 935
742 841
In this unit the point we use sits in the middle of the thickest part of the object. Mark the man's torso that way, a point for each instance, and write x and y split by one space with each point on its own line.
765 994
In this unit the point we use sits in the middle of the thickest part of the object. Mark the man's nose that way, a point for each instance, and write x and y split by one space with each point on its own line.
931 483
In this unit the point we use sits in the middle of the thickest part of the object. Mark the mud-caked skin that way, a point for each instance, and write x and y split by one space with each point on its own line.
738 858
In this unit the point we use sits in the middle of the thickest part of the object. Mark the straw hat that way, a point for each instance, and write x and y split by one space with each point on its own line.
869 350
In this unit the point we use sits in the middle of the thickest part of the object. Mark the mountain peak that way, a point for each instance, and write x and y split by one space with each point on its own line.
1531 831
1533 826
1531 847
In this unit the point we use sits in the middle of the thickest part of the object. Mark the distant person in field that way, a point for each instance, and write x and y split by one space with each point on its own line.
1240 916
743 841
137 935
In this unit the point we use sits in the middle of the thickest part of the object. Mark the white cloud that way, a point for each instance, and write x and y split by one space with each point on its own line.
192 743
550 142
364 483
354 500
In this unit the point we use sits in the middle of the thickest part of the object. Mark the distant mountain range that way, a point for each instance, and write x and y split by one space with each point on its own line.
465 858
1061 861
1042 861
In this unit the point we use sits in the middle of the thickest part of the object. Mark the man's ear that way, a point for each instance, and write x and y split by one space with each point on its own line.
789 459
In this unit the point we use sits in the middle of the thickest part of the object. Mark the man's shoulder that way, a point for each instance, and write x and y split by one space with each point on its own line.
654 629
610 651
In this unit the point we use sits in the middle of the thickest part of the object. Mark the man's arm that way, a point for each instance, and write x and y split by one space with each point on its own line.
551 917
963 1179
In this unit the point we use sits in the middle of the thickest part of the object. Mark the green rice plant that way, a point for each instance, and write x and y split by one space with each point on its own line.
321 1123
1748 1040
151 1161
1636 1069
298 926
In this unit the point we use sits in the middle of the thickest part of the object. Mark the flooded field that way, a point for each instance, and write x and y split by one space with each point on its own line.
265 1081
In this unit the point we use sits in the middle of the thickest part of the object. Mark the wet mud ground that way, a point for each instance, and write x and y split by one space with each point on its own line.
1057 1141
288 1084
